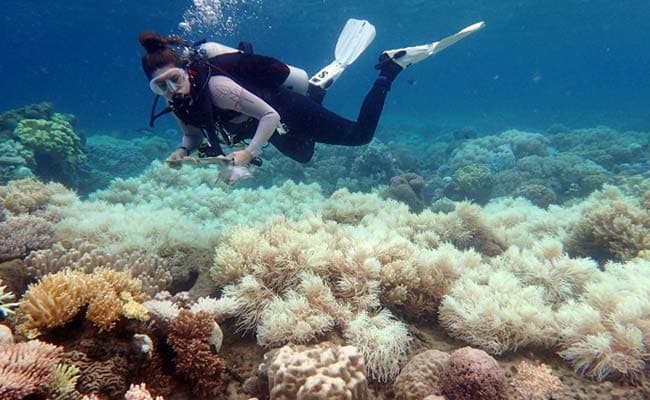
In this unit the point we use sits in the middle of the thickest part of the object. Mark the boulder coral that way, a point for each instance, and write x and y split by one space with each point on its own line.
471 374
54 143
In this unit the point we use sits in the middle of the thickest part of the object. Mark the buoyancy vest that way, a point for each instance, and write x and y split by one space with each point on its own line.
258 74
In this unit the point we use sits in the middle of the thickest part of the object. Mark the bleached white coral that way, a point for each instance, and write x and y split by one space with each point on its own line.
494 311
603 332
163 310
383 341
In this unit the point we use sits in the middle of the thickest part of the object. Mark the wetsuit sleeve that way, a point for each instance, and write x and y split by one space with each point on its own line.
228 95
192 135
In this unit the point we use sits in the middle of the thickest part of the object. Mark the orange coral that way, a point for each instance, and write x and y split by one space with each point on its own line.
57 299
27 368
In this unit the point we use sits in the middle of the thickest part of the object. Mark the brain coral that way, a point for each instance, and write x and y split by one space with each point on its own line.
419 377
324 371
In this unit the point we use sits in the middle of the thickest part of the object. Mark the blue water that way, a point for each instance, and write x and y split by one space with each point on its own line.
576 62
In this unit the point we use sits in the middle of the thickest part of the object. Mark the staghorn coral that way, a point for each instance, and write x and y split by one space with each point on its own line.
190 336
535 382
6 303
57 298
27 368
420 375
612 227
320 372
471 374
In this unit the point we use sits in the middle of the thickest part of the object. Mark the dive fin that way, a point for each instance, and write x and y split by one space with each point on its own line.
355 37
408 56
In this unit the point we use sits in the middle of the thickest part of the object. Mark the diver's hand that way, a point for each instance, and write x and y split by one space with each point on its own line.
174 159
177 155
240 158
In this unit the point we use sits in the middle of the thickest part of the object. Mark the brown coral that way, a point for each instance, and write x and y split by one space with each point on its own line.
420 375
472 374
27 368
189 336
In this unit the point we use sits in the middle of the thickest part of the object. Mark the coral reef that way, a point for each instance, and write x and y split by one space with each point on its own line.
324 371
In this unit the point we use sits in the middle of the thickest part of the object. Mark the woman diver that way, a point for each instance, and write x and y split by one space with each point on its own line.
247 97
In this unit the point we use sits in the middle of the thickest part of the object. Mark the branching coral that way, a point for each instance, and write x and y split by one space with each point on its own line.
6 301
27 368
57 298
189 336
140 392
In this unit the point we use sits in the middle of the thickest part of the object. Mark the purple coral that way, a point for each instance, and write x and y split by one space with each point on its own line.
472 374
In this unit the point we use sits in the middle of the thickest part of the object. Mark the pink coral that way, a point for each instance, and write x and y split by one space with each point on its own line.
27 368
472 374
140 392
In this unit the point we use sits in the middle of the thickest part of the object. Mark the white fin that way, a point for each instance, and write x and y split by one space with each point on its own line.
408 56
355 37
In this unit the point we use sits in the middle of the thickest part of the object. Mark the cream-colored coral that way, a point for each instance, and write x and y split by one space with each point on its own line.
496 312
324 372
64 379
420 375
535 382
53 301
383 340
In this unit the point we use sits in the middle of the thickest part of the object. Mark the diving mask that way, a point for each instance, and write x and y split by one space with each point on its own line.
169 82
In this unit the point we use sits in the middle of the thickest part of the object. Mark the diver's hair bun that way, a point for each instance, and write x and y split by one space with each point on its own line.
153 43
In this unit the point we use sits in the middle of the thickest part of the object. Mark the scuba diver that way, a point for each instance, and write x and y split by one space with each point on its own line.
222 95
